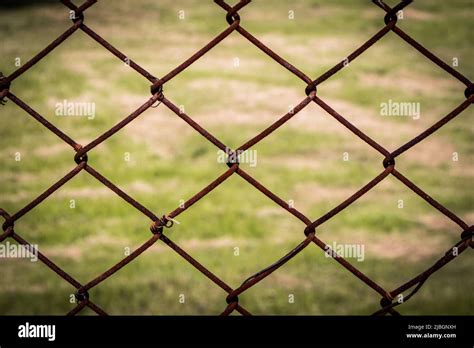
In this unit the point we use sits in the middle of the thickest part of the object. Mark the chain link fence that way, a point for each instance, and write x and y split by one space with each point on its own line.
160 224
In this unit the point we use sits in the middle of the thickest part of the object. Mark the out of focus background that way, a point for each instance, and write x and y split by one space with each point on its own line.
303 161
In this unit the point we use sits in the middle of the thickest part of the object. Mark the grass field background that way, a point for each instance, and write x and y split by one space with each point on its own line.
302 161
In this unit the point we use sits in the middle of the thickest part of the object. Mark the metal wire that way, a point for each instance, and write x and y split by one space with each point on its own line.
166 221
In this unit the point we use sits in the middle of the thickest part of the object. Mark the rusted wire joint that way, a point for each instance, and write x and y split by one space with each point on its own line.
232 304
4 87
388 161
232 299
387 302
308 230
469 91
391 16
311 88
232 158
80 158
468 234
157 88
157 226
232 16
8 224
81 296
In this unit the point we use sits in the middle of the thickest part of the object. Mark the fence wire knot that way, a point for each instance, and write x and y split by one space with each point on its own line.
468 233
388 161
80 157
81 296
391 16
469 93
157 226
4 88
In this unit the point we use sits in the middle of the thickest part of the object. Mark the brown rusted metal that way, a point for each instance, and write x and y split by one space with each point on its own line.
158 224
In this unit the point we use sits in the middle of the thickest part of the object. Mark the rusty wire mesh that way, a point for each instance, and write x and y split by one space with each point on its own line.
166 221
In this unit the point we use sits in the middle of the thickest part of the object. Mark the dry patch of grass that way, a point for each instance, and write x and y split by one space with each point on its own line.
412 246
410 82
288 281
76 252
402 246
441 222
307 194
52 150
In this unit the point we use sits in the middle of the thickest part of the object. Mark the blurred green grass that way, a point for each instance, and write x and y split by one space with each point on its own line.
302 161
